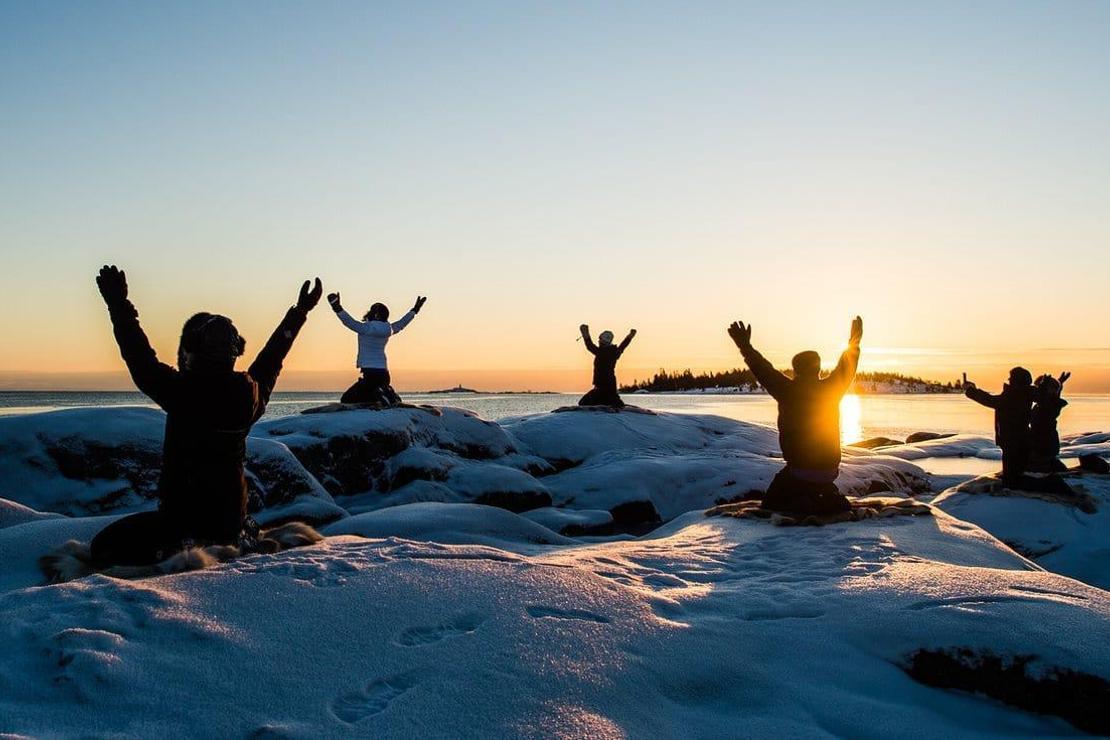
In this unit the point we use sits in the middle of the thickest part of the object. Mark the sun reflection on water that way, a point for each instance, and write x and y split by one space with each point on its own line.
851 419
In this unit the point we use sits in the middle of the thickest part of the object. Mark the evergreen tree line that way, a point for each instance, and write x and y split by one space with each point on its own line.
686 380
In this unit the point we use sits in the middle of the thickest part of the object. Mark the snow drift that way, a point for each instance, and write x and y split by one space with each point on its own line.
426 613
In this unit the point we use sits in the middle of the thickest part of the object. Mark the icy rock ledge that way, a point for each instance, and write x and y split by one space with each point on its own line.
640 469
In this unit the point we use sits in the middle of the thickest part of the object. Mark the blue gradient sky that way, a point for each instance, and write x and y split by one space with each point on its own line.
940 168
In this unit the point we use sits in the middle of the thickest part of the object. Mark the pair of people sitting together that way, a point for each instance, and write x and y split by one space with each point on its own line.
1025 418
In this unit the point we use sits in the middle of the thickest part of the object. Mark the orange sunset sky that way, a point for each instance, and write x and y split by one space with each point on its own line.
941 170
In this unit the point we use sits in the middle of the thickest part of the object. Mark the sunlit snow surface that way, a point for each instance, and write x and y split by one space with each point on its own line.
440 619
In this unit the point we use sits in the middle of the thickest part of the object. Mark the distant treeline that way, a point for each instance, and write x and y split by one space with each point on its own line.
866 382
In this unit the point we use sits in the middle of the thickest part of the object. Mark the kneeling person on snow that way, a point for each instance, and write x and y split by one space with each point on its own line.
1013 409
1044 437
809 423
210 409
606 354
373 332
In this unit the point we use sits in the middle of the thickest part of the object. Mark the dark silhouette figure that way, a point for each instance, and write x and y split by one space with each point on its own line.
809 423
606 354
374 332
1012 412
1044 438
209 408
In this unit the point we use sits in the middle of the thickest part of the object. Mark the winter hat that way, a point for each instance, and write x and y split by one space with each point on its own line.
605 337
1021 376
209 342
806 363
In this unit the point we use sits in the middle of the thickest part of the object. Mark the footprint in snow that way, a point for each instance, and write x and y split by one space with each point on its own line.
420 636
374 698
549 612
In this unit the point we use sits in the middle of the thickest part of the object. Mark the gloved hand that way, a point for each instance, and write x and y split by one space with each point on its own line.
420 301
631 332
333 299
741 334
857 331
112 282
308 299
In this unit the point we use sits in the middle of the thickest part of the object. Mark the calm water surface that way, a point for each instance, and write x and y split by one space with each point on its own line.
892 416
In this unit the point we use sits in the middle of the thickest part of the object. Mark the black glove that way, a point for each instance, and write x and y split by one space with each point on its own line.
741 334
857 332
420 300
112 282
308 299
333 299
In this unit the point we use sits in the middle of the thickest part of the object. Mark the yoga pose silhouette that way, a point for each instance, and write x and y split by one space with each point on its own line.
209 408
606 354
809 423
1012 414
1044 438
374 332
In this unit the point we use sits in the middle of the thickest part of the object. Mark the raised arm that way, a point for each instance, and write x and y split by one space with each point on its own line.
845 371
156 379
267 366
980 396
405 320
590 346
626 341
345 318
771 379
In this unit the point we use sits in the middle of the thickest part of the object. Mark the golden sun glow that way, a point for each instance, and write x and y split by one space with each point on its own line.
851 427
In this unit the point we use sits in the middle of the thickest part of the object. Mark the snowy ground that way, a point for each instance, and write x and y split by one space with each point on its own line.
441 617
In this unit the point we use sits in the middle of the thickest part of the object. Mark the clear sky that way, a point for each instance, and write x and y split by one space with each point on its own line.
942 169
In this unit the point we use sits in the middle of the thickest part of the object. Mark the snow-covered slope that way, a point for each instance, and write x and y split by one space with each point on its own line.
426 614
1058 535
711 627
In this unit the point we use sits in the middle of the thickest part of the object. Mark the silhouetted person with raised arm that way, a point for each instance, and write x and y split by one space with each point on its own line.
1044 438
209 408
809 423
374 332
1012 414
606 354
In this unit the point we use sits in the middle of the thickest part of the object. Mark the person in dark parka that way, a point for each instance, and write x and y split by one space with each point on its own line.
606 354
808 421
1044 438
209 408
1012 411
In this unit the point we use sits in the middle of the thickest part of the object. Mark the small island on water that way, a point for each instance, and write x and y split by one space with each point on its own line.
462 389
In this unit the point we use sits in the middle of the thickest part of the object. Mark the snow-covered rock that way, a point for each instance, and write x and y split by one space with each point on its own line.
709 627
456 524
571 438
86 461
958 445
13 513
364 457
1057 535
646 468
571 521
642 468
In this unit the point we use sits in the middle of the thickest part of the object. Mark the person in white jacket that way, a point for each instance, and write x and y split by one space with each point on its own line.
373 332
